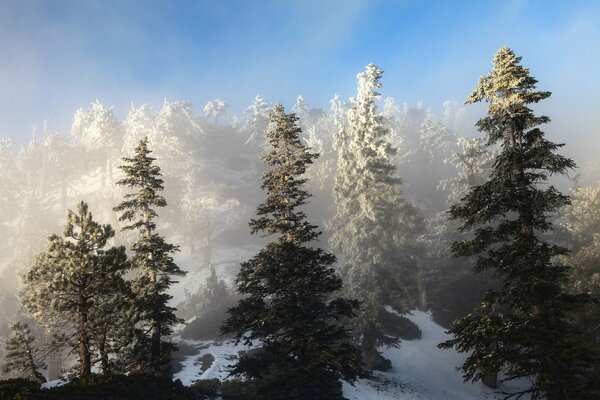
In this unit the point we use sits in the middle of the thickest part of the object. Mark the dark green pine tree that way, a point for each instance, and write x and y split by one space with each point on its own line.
153 259
522 328
289 286
21 357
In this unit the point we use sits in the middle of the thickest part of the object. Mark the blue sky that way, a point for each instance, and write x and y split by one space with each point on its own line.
57 56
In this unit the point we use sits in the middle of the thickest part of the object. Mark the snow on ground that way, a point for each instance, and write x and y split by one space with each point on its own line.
54 383
421 371
226 263
223 355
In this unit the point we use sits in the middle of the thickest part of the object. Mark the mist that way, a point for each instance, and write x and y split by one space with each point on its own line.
83 83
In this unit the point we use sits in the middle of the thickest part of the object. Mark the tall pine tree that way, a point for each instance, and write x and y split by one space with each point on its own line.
374 229
290 305
152 258
522 328
71 282
21 357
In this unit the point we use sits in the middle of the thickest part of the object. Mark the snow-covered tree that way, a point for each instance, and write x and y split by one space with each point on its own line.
22 358
374 228
339 109
307 115
473 164
99 131
216 109
254 124
152 260
68 281
289 287
523 327
9 188
394 119
581 222
61 164
454 118
138 125
175 132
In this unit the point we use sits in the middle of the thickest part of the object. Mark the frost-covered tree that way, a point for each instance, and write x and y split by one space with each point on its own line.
581 223
339 109
454 118
435 144
522 327
473 163
138 124
70 281
22 358
61 163
9 188
255 121
216 109
99 131
176 130
152 260
454 290
289 287
374 228
307 115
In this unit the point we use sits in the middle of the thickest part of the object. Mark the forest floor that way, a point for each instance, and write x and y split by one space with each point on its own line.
421 371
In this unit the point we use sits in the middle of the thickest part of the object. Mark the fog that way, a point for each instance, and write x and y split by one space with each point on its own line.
76 97
211 164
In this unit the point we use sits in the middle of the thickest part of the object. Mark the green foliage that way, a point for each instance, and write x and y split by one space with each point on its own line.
102 387
19 389
581 223
288 286
236 389
152 259
72 290
21 357
521 328
207 387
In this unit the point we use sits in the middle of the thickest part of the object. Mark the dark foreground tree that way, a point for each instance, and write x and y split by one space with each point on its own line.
289 306
69 289
22 358
522 328
152 258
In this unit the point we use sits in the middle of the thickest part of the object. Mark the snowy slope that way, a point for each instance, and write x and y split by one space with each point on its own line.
420 370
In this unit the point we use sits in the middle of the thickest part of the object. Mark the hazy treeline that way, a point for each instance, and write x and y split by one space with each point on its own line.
210 161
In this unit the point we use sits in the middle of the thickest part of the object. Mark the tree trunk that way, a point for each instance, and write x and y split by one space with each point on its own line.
35 374
103 356
155 350
491 380
85 357
54 367
63 194
422 288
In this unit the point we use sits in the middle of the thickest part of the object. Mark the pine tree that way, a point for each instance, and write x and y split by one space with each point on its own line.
255 121
21 357
289 286
152 258
581 226
72 281
521 328
374 227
